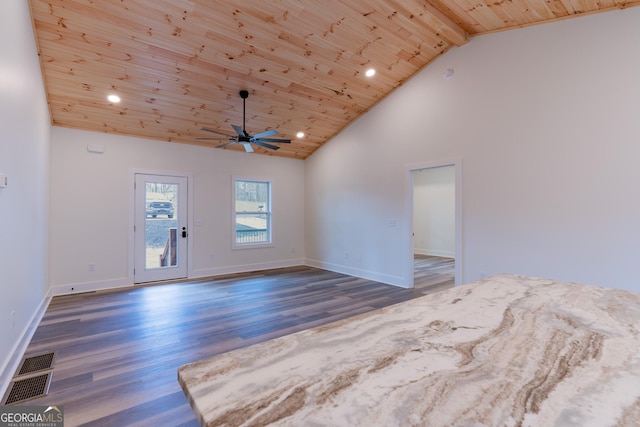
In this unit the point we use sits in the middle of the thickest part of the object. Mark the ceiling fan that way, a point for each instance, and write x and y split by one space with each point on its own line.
243 136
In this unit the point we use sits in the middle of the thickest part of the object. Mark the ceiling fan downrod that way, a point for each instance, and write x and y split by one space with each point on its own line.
244 95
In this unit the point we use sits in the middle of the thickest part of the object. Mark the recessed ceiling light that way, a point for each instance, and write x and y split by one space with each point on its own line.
113 98
370 72
300 134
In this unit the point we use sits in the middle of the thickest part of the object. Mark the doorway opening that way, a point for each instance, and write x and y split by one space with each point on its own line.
435 241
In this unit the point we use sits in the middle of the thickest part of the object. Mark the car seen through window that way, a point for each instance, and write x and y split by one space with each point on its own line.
160 208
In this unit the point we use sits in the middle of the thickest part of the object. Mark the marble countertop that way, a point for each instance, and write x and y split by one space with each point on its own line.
504 351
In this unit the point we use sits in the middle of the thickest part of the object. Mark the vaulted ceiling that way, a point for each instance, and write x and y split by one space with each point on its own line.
178 65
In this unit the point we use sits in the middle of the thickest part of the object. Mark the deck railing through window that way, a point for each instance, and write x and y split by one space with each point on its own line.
168 257
254 235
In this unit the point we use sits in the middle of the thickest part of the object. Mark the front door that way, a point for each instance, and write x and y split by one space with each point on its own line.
160 232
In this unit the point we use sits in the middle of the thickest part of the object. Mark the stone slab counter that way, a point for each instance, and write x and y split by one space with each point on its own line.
504 351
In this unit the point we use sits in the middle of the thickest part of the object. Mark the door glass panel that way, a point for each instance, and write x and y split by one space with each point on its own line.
161 225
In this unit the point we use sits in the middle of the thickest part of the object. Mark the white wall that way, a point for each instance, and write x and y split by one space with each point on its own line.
545 121
92 206
24 158
434 210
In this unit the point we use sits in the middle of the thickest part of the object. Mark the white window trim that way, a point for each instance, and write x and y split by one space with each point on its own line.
270 234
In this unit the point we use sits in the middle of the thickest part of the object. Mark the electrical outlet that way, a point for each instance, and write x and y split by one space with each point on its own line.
92 266
212 257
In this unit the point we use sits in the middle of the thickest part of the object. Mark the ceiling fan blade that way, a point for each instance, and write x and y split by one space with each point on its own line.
247 147
266 133
282 141
213 139
224 145
238 130
269 146
215 131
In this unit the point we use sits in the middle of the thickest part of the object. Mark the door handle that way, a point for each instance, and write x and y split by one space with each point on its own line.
184 232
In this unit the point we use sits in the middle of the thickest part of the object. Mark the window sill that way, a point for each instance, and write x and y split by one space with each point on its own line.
252 246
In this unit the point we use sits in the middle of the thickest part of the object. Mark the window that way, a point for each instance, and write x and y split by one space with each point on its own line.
252 219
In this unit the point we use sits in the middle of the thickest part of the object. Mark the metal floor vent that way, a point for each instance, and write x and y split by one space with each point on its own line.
33 364
32 379
28 388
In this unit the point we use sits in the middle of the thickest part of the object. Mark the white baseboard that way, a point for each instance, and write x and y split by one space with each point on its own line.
401 282
10 365
76 288
125 282
218 271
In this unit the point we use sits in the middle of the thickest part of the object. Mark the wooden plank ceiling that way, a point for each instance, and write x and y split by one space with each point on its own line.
178 65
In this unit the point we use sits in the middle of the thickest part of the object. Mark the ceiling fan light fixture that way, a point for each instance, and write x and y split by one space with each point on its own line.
300 134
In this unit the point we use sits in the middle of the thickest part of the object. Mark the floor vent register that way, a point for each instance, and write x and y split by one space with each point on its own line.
32 379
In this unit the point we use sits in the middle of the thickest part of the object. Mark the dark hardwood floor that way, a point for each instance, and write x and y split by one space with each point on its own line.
117 352
432 271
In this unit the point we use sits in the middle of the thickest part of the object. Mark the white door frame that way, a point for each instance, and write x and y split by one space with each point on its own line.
457 166
132 218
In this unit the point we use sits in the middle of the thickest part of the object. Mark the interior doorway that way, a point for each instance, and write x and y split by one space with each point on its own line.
436 238
434 226
160 227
